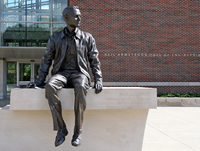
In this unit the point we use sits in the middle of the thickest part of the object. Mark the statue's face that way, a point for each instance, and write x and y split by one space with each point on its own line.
73 19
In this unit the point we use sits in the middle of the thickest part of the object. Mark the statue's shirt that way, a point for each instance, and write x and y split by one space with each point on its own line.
70 64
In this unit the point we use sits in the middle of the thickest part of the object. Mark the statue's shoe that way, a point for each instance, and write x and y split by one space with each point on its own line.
60 138
76 140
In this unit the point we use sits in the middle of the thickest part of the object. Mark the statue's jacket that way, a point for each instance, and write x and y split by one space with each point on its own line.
56 50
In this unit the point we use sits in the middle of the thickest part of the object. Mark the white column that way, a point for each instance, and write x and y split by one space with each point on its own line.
3 79
17 73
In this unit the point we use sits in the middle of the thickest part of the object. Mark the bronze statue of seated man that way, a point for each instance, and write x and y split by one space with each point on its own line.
73 51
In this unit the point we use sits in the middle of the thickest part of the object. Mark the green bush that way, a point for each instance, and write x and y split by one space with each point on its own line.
188 94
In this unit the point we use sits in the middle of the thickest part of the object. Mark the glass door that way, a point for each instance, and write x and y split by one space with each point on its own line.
26 72
11 76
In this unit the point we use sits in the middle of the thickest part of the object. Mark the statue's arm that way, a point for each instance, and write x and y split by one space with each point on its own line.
95 64
46 62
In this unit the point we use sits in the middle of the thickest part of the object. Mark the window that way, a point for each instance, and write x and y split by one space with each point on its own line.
29 23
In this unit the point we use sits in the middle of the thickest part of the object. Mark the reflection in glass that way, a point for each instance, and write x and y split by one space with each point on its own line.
58 6
58 27
11 73
26 10
11 76
24 72
25 34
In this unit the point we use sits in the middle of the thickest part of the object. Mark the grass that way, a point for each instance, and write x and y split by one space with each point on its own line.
188 94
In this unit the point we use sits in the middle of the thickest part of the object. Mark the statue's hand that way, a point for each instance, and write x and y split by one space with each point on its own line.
98 87
31 85
35 85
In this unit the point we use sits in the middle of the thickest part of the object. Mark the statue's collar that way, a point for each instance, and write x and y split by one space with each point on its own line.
76 31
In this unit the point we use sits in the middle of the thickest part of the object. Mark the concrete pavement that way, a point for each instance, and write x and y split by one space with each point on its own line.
172 129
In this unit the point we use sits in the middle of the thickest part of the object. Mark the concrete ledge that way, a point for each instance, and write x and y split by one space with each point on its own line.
115 121
173 101
163 101
103 130
109 98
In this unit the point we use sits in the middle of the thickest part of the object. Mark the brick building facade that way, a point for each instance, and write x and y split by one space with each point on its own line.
148 42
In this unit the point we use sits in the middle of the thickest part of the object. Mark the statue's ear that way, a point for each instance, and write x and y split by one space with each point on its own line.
65 18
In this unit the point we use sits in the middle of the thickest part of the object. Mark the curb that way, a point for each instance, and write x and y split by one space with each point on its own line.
173 101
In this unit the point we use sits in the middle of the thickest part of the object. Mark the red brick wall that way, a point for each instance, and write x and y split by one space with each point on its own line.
145 40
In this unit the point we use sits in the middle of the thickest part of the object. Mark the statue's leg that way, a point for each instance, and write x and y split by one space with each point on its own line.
81 86
54 84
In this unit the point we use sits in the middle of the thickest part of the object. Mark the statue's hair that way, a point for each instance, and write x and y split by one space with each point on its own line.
67 10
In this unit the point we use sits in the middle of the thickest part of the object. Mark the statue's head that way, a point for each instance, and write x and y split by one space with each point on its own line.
72 16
